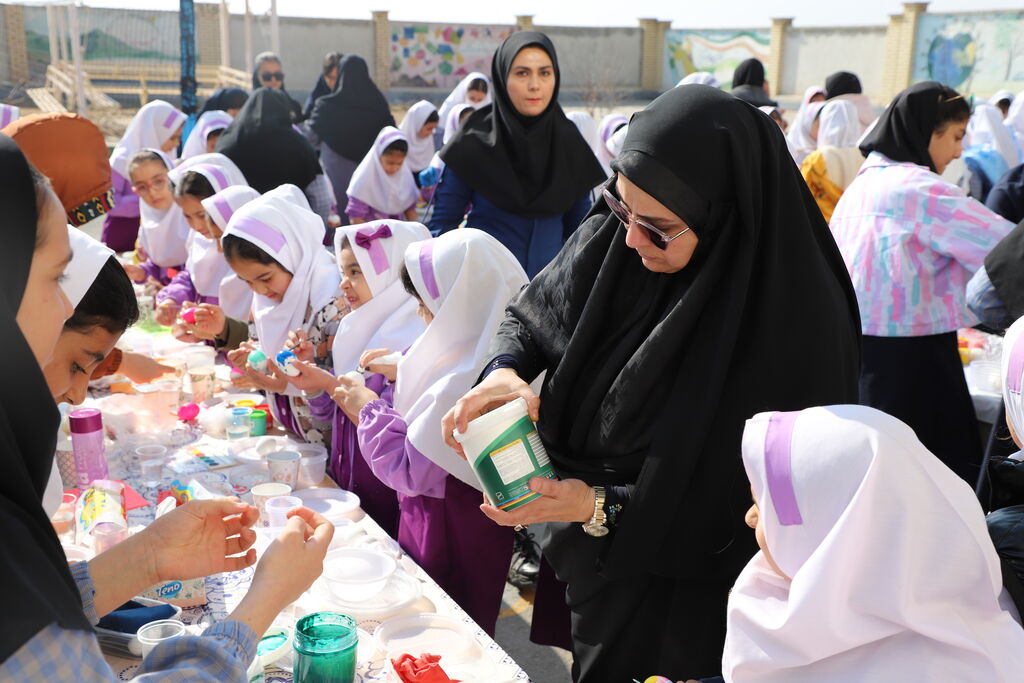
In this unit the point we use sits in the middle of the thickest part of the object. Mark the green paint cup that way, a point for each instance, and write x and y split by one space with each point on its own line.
325 648
258 422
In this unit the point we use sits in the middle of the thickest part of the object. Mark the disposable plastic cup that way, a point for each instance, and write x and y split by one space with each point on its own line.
505 450
284 467
239 423
156 632
312 465
263 492
277 509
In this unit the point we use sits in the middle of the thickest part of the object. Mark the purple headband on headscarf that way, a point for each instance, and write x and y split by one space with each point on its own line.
261 231
223 208
427 269
214 172
6 115
369 240
387 139
171 118
778 447
1015 367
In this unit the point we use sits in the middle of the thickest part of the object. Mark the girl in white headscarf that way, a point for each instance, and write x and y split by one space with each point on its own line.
456 115
802 135
875 563
587 127
235 297
1015 117
418 126
463 281
205 134
474 90
157 125
382 186
610 125
700 78
383 317
986 128
162 227
276 247
830 169
199 280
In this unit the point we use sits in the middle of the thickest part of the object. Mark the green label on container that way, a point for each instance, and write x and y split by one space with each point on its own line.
507 464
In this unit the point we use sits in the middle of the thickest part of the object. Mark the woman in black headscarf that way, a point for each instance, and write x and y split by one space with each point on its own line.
229 100
270 153
267 72
750 85
519 161
325 83
346 122
724 296
845 85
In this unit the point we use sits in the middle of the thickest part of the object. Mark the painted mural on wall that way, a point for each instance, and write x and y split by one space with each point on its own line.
439 56
974 53
110 34
715 51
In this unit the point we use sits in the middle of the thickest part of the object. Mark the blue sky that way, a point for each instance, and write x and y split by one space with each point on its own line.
682 13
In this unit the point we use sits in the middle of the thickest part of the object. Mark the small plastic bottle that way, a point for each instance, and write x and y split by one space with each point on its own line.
87 445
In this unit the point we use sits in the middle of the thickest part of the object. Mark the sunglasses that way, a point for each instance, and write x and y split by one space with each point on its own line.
658 238
268 76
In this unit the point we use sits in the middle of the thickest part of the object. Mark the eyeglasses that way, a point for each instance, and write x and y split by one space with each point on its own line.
658 238
268 76
158 185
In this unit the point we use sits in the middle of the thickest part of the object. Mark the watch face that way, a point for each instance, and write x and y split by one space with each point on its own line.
596 530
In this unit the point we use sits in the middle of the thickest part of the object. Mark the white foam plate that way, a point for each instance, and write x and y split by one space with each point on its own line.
333 504
462 656
401 591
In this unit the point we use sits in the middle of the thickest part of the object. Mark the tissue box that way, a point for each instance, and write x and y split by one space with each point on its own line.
181 593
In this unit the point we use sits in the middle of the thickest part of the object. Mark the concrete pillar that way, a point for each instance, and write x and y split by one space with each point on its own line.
51 29
524 22
912 11
892 81
250 57
62 33
382 50
17 49
773 70
275 30
652 53
224 29
208 34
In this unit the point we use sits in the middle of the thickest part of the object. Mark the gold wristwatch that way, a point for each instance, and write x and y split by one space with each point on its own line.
597 525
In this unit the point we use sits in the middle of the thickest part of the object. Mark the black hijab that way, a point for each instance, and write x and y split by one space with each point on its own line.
1005 263
651 376
533 167
38 588
350 118
842 83
905 128
224 99
294 108
749 72
265 147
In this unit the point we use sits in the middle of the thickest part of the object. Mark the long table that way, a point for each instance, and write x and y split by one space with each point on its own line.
224 591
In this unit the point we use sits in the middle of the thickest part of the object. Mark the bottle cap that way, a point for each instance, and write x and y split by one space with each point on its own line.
85 420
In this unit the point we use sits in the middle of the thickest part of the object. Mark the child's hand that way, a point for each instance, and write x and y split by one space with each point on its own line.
242 382
312 379
210 321
181 333
366 362
167 312
298 342
276 381
240 356
351 397
135 272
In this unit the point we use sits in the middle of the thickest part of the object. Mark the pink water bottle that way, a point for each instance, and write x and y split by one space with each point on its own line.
87 445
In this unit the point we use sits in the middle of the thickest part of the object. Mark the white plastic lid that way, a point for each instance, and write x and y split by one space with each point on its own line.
359 565
499 418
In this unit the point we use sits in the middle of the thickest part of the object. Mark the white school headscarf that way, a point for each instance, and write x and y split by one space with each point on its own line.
466 279
1013 375
839 124
206 265
294 237
1015 118
88 257
615 142
152 126
452 123
999 96
234 295
163 234
986 127
700 78
371 184
604 133
421 150
894 576
8 114
799 134
458 95
207 123
388 320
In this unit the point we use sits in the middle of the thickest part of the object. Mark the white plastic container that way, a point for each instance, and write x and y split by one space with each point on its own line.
312 465
357 574
505 451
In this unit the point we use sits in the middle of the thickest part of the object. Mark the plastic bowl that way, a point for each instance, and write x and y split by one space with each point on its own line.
357 574
345 530
156 632
312 466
